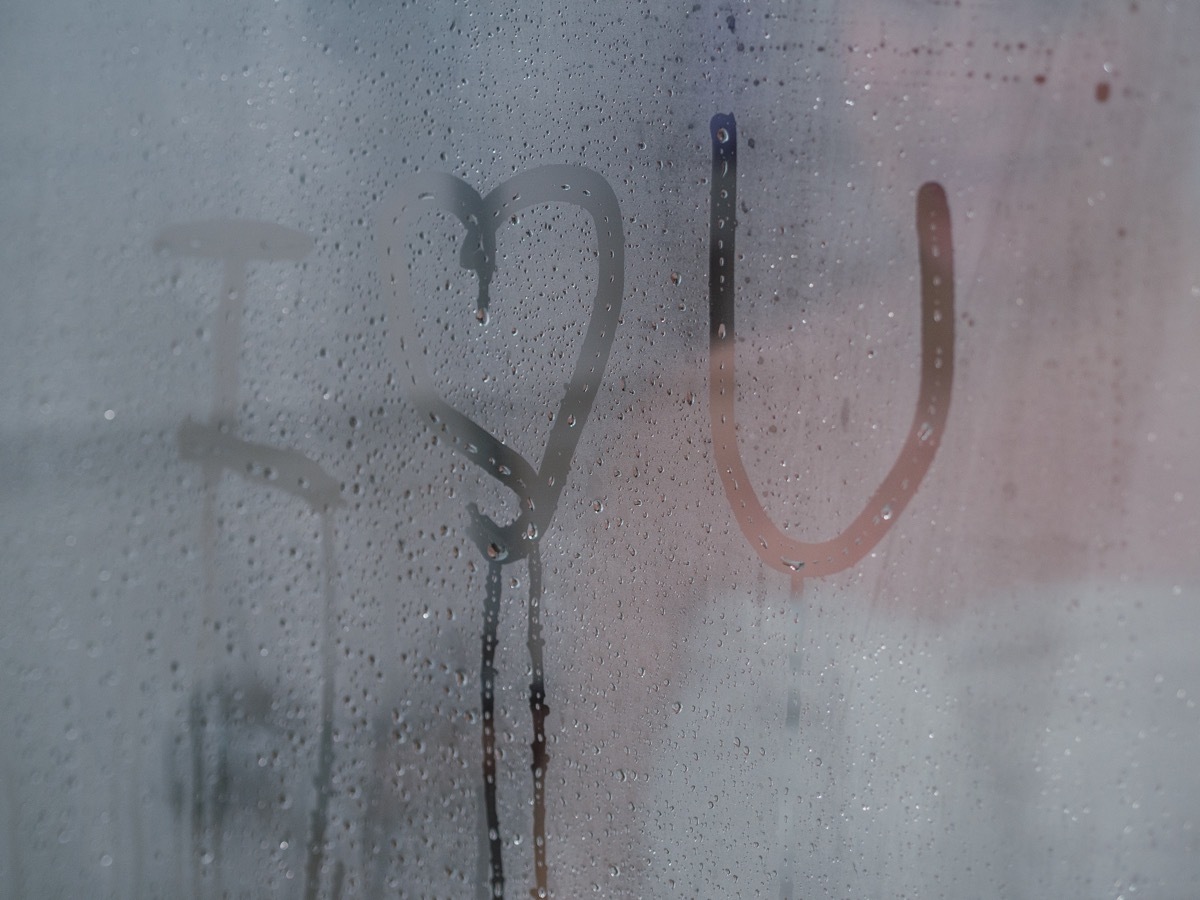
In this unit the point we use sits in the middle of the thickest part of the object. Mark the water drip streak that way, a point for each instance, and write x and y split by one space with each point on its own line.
208 818
791 738
324 776
539 709
204 663
487 697
221 798
198 815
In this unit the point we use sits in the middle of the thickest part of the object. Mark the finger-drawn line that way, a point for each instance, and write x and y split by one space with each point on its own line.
539 710
535 643
487 701
882 510
538 490
237 243
323 777
800 559
286 470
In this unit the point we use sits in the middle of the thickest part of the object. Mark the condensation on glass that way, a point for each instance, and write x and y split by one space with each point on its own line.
697 450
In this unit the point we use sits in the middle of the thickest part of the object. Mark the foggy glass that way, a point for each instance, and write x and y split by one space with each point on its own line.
634 449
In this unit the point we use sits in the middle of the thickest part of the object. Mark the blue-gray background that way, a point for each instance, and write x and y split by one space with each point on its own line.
999 702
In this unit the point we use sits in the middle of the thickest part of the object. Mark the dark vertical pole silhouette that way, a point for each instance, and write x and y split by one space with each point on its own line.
800 559
537 489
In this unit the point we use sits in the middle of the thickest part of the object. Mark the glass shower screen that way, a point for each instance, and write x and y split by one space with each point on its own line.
641 449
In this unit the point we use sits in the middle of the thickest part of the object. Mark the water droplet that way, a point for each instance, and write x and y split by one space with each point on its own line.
722 135
721 331
925 431
886 512
481 316
597 506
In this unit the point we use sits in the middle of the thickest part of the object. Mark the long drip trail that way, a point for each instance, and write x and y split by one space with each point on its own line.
196 746
207 824
487 697
791 738
536 644
537 706
324 776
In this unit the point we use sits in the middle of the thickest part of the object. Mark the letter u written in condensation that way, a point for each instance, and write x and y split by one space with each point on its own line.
933 396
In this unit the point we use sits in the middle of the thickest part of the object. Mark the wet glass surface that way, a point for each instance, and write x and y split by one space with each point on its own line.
392 504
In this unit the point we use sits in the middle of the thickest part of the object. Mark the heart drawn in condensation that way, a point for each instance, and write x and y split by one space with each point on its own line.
537 488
